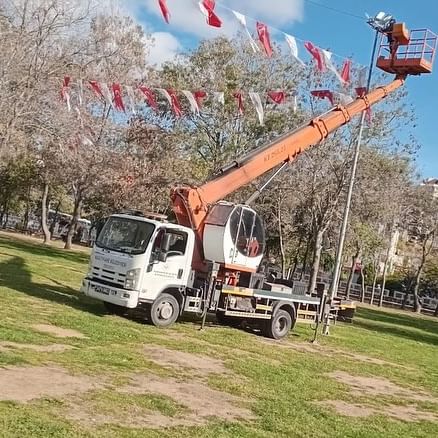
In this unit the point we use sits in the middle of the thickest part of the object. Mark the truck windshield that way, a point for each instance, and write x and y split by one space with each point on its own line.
125 235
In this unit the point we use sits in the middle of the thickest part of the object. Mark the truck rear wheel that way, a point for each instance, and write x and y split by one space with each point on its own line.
164 311
279 325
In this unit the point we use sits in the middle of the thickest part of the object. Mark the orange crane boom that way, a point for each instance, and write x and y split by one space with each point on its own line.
405 53
191 204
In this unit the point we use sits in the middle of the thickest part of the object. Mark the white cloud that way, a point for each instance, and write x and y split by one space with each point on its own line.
164 48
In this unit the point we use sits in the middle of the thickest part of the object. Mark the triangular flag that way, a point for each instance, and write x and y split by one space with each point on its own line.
314 51
242 20
199 97
107 94
65 94
345 73
207 9
239 97
149 95
192 101
327 58
95 86
255 97
164 10
277 97
323 94
173 101
118 99
344 99
294 94
80 92
131 98
263 33
219 96
292 43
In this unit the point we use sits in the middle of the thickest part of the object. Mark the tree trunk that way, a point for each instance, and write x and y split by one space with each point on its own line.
355 260
306 257
295 262
385 267
417 304
27 212
44 226
317 249
72 228
362 276
280 236
374 286
436 311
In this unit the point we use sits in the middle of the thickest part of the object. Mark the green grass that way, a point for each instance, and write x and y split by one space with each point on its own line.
40 285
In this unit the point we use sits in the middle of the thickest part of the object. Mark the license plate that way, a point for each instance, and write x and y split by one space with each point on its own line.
103 290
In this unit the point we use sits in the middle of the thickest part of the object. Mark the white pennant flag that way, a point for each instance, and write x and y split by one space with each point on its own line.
344 99
329 64
294 94
292 43
242 20
219 96
362 77
166 95
80 91
106 94
192 101
131 98
255 98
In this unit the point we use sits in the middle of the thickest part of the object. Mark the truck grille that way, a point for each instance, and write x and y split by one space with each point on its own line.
109 277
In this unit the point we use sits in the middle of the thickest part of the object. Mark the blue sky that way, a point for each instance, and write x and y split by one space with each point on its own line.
343 34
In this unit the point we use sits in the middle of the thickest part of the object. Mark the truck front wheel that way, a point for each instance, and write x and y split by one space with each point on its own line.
279 325
164 311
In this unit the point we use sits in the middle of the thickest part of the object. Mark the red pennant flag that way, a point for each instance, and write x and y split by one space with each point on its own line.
149 95
361 91
323 94
263 33
314 51
176 106
164 10
239 97
199 97
345 73
207 8
277 97
118 100
96 88
64 89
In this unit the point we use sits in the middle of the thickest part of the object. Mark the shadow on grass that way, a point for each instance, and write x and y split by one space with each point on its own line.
425 324
395 325
43 251
15 275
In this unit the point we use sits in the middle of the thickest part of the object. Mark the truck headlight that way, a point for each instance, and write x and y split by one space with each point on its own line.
132 277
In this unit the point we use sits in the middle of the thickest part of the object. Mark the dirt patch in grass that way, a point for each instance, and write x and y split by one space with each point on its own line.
347 409
379 386
323 350
59 332
410 413
203 401
199 402
51 348
23 384
201 365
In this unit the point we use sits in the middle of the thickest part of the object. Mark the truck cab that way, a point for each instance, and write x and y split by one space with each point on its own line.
135 260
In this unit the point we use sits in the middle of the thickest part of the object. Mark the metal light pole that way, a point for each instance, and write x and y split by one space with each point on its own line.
380 24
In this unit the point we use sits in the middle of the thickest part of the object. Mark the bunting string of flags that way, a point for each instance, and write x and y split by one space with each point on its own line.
322 58
122 97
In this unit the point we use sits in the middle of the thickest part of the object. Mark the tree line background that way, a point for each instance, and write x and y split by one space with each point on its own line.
92 161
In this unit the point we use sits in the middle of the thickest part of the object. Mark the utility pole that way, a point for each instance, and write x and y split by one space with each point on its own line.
381 23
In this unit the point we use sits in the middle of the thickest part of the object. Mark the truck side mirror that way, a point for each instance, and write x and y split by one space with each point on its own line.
165 243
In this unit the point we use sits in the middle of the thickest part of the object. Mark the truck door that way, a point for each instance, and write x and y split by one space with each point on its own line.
174 271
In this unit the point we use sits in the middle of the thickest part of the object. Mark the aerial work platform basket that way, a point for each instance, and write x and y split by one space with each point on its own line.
407 53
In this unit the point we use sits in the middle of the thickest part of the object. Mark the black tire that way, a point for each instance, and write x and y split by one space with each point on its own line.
114 309
164 311
279 325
